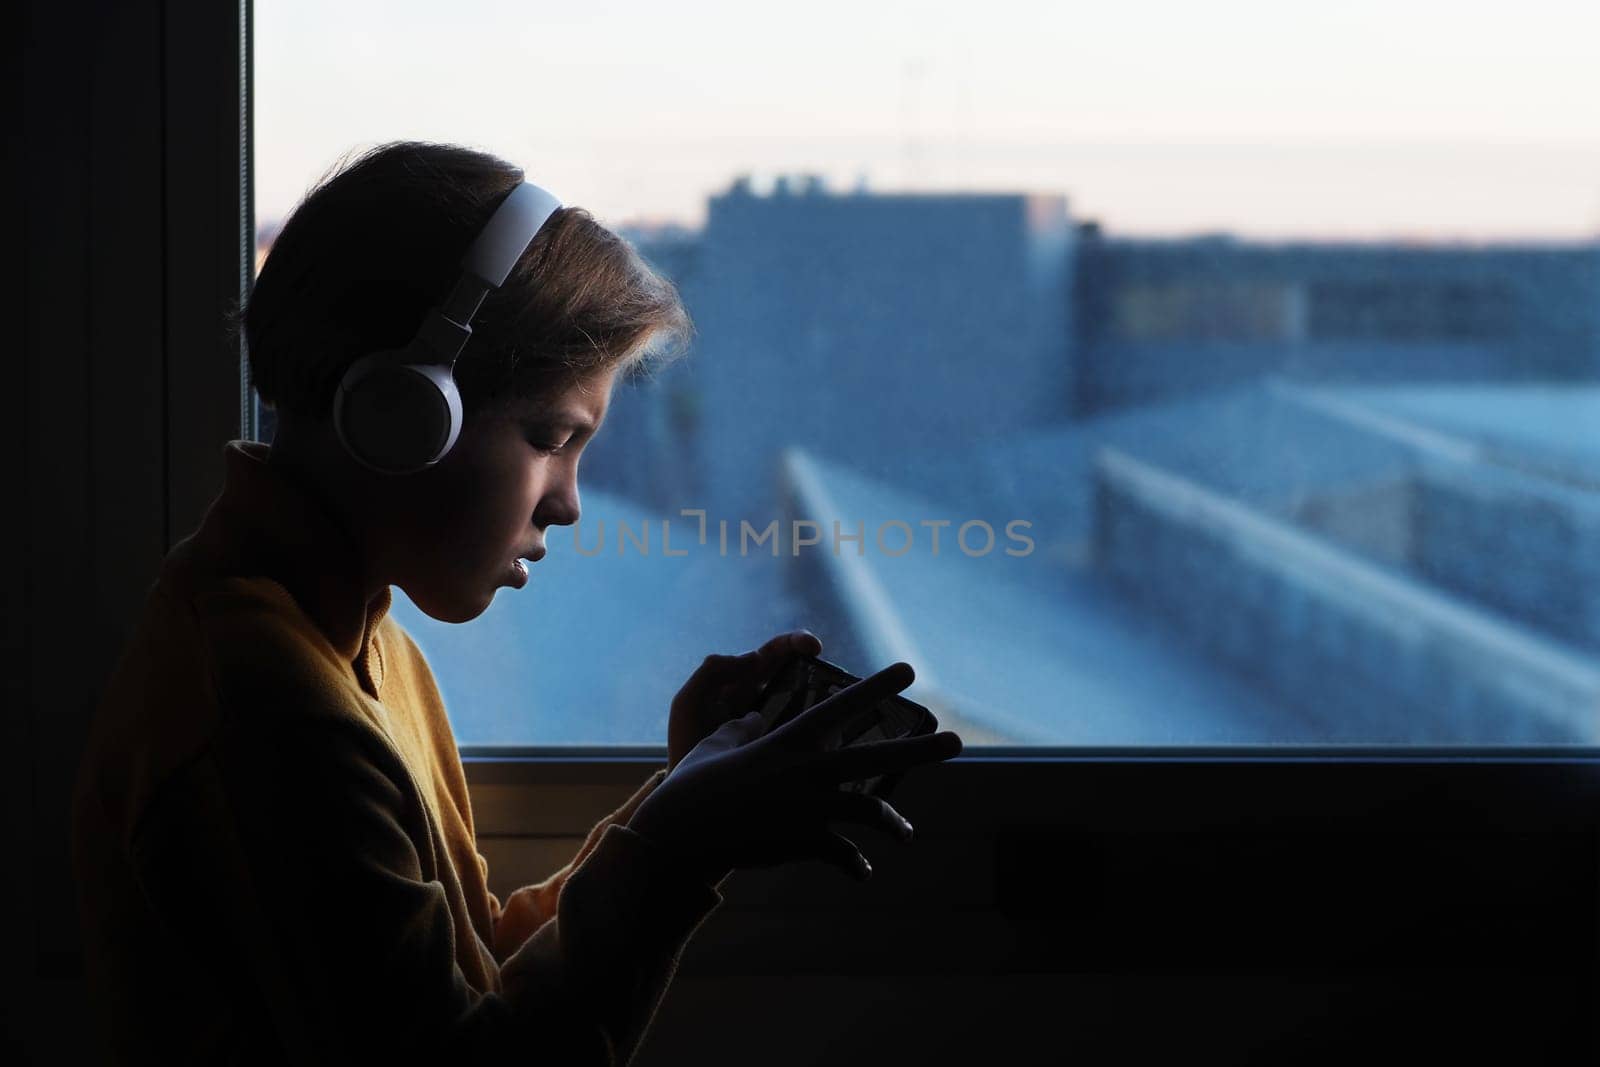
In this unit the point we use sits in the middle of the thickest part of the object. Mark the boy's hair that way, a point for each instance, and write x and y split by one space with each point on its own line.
379 241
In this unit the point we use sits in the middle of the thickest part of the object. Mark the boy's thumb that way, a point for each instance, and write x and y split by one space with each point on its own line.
750 725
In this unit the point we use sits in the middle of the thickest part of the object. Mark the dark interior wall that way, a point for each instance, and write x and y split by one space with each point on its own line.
1131 908
121 235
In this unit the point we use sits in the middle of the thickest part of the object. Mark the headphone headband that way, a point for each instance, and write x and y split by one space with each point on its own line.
508 233
501 242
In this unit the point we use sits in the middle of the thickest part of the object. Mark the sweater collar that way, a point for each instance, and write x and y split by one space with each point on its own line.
265 525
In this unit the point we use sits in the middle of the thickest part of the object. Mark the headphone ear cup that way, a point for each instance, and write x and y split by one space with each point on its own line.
397 417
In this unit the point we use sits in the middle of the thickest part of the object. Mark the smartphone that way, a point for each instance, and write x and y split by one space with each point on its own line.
809 680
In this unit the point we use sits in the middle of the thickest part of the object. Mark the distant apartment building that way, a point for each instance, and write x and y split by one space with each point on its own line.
868 327
955 317
1161 319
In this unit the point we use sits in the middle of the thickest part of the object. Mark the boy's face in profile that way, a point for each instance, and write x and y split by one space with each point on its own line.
456 531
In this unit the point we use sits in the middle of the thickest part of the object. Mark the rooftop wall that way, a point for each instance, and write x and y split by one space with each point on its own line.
1373 655
1519 545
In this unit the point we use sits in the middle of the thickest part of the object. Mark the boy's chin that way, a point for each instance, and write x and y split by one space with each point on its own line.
453 606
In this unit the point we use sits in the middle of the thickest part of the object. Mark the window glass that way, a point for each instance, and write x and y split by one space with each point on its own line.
1145 374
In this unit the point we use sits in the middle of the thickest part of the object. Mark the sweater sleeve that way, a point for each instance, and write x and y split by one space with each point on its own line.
528 908
342 874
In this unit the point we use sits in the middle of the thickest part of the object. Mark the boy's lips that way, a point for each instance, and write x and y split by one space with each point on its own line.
518 576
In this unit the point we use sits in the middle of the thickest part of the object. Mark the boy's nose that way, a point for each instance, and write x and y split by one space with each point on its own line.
560 508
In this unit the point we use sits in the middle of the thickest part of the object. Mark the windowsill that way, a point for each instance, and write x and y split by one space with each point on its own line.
562 792
510 764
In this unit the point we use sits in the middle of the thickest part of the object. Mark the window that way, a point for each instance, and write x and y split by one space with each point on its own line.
1149 375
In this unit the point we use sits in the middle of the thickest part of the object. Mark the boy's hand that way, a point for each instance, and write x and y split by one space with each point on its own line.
725 687
744 799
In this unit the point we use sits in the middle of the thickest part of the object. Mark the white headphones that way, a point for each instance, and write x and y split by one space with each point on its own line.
399 411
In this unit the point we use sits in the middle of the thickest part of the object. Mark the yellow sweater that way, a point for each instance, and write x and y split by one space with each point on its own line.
274 843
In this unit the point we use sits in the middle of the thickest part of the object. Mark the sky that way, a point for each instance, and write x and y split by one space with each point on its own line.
1367 119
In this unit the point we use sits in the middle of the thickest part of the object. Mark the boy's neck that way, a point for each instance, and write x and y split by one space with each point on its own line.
310 457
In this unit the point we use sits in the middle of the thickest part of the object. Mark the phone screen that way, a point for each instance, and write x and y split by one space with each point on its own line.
808 681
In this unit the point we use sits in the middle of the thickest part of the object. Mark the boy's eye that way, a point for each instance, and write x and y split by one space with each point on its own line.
549 450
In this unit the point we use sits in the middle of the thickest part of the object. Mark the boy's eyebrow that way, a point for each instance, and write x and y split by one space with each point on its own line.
564 420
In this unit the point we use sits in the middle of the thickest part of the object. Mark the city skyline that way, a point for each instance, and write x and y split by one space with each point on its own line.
1427 123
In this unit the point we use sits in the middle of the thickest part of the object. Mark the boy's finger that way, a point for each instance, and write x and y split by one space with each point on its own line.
793 643
846 806
858 762
707 678
838 851
732 734
746 728
771 658
813 724
804 643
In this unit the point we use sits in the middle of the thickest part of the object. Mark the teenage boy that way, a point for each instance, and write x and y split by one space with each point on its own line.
273 835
